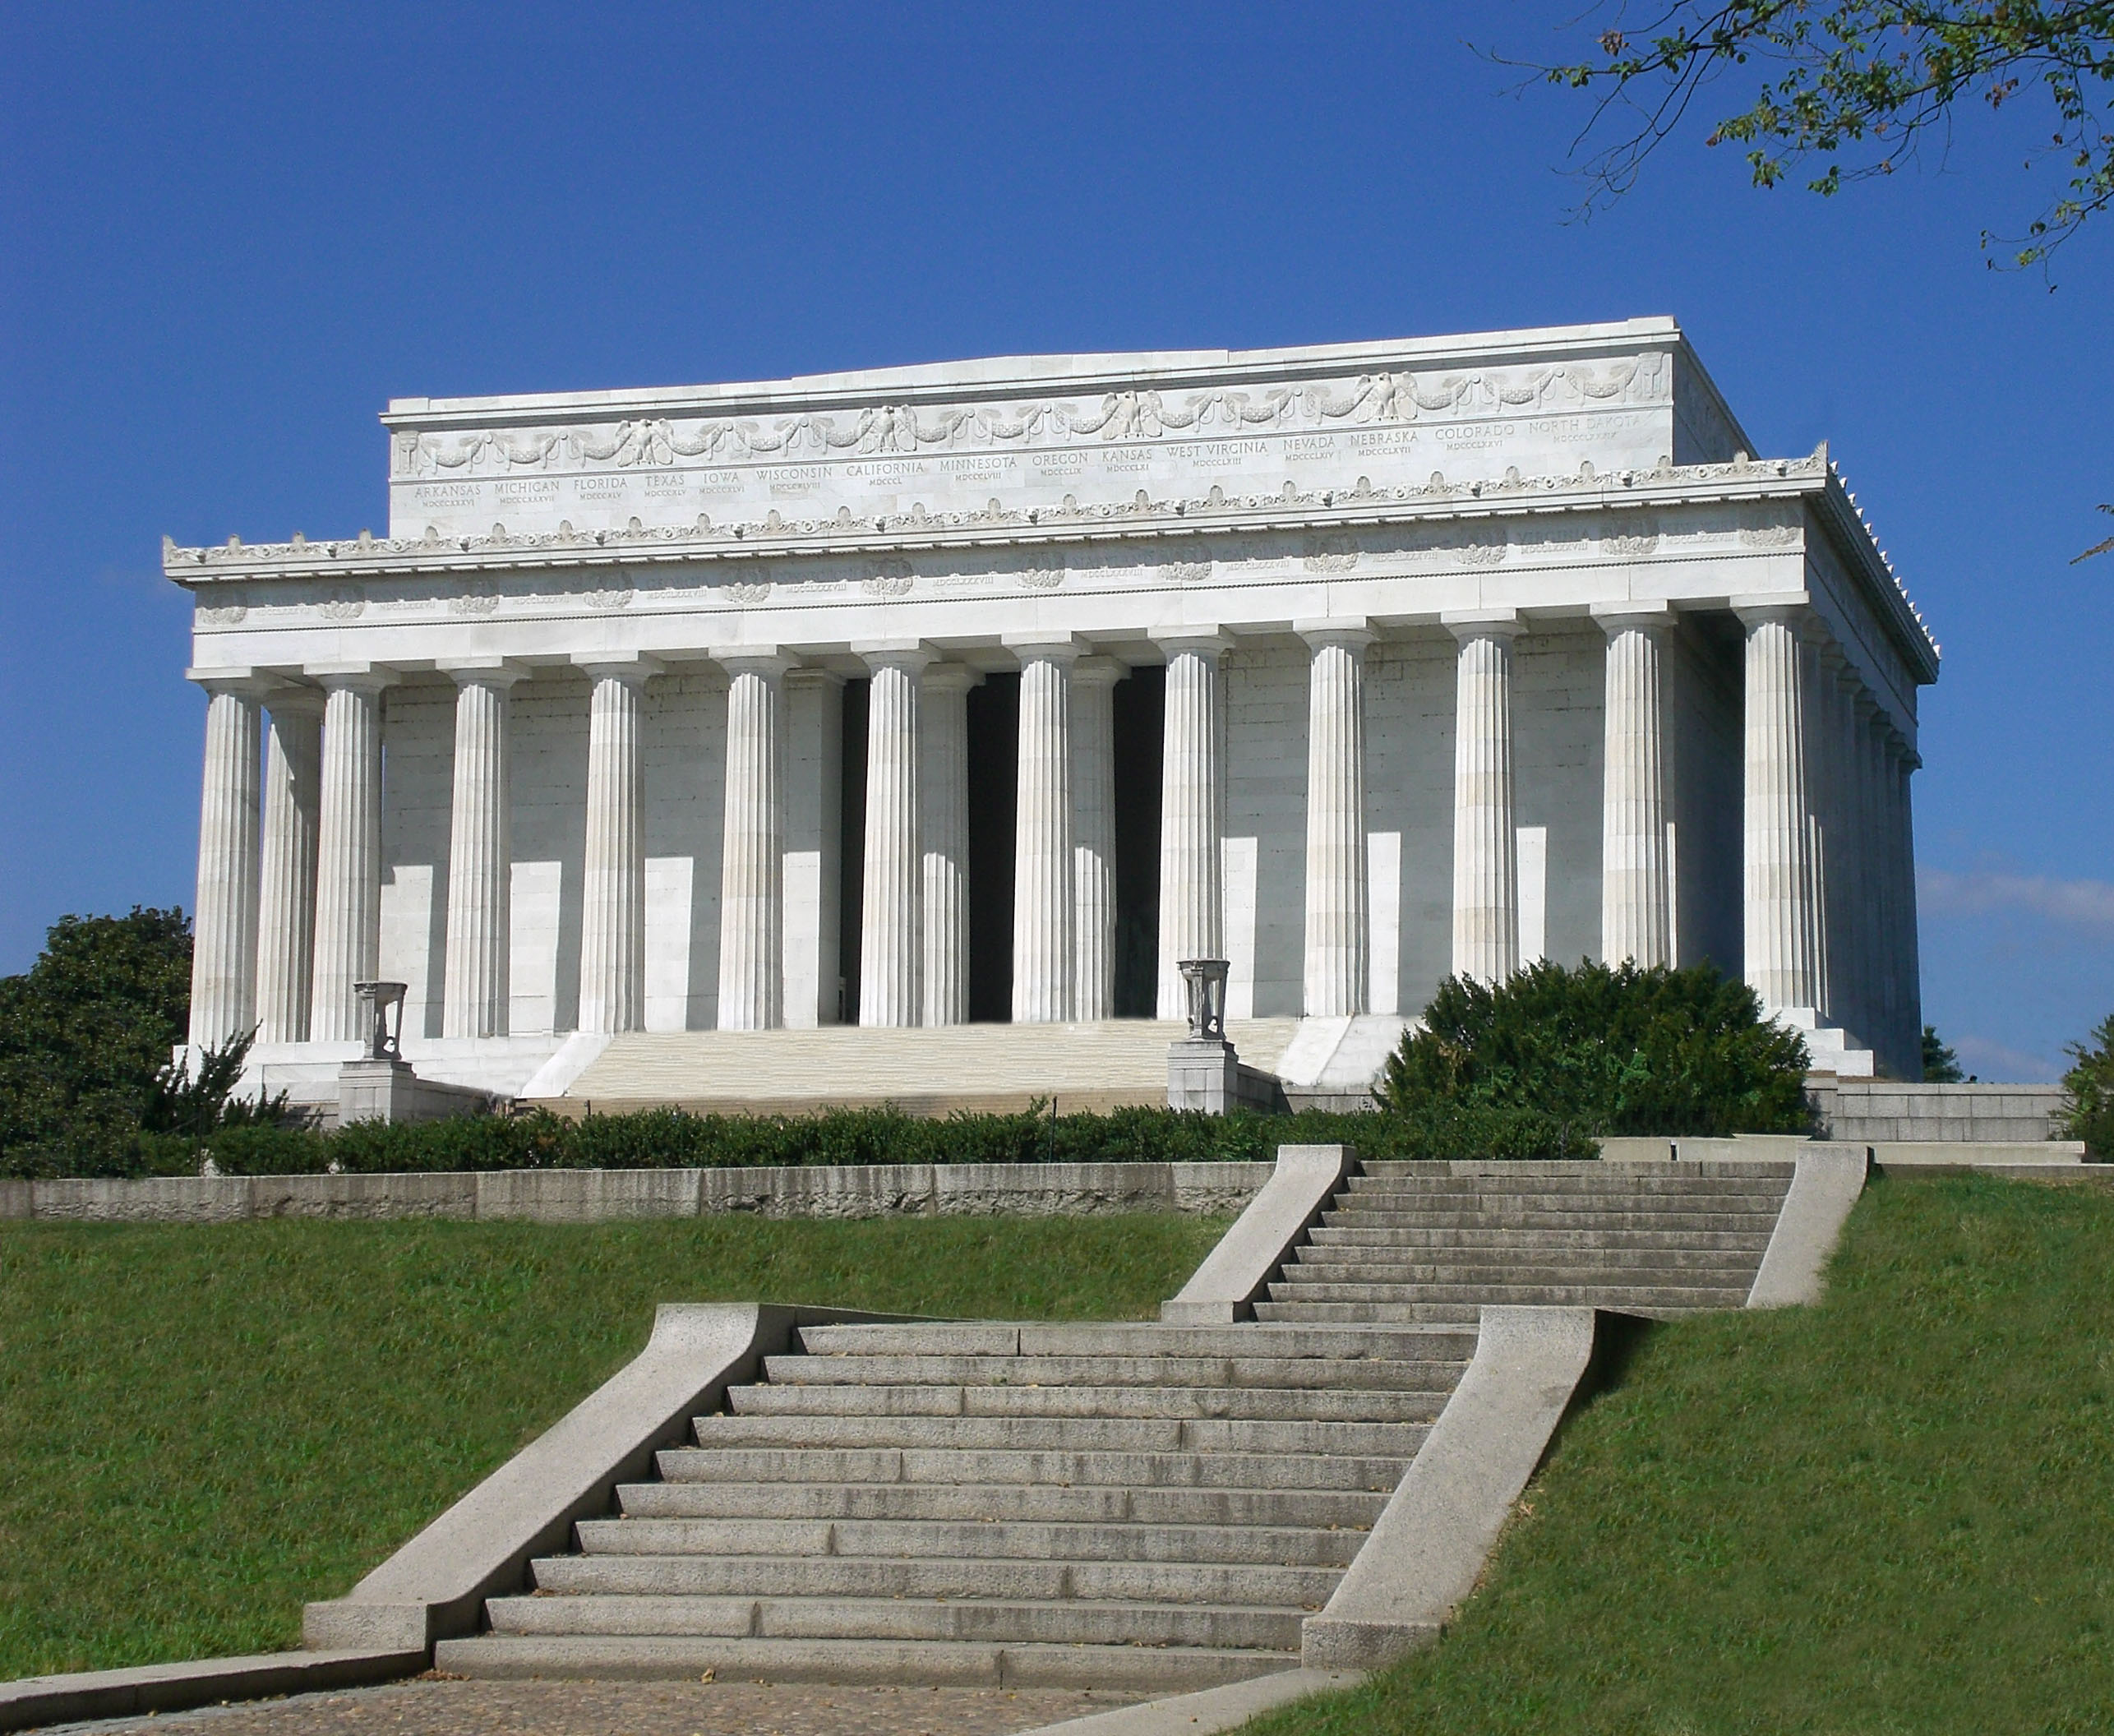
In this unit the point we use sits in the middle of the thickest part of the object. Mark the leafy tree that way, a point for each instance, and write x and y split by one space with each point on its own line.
1940 1065
2089 1112
85 1031
1596 1050
1851 89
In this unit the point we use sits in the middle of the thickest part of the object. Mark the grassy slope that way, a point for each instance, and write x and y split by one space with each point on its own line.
201 1427
1894 1511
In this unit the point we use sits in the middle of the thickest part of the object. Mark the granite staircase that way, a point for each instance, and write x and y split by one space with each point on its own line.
1147 1506
1434 1242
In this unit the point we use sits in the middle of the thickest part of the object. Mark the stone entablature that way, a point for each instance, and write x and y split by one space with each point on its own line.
1564 526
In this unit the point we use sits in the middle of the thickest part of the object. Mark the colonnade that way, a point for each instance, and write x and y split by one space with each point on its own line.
290 861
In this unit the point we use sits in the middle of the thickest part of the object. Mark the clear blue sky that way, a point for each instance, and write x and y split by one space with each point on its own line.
227 236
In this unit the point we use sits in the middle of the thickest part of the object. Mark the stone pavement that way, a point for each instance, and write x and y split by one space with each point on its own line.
431 1707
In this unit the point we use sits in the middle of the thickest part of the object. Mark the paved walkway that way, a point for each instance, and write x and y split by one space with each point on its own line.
427 1707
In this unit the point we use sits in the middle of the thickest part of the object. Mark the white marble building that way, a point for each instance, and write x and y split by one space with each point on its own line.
990 689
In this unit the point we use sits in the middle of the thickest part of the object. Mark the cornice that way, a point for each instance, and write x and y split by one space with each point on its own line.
1874 573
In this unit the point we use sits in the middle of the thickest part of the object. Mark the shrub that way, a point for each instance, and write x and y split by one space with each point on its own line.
2089 1113
1552 1059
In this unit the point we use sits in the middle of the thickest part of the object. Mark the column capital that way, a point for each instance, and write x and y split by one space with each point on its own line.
288 700
909 655
1793 611
481 671
239 682
634 668
1095 669
352 677
1868 706
1044 648
1355 634
1467 626
1616 619
1211 642
774 663
952 678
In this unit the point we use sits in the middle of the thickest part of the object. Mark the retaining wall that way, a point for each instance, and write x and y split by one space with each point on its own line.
1875 1111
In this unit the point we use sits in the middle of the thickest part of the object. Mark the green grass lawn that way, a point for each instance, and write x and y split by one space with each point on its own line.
1894 1511
201 1427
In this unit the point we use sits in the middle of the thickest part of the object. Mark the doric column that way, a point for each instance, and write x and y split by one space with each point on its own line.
612 993
751 862
1191 895
1884 992
224 952
890 945
1854 952
1042 913
1093 837
1486 874
1336 941
1777 878
480 854
348 850
943 793
286 894
1636 901
811 881
1902 857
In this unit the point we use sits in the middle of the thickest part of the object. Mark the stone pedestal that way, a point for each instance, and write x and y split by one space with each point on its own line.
383 1088
1203 1073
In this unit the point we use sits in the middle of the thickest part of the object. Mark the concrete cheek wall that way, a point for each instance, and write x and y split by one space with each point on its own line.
1703 700
1559 684
685 817
1265 704
418 772
1408 817
549 748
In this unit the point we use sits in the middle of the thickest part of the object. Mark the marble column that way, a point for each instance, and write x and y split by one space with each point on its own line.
1093 837
348 851
1337 969
1873 725
223 953
1042 910
612 991
1853 959
1908 949
1636 898
810 880
891 947
286 895
752 852
1486 876
944 794
1192 892
474 1000
1777 879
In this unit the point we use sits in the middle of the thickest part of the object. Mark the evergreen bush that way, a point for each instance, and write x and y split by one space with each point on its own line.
1553 1058
2089 1112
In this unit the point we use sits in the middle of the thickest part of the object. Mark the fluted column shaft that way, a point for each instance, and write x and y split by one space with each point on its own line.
1336 932
944 794
224 952
1636 901
473 995
1777 878
349 856
286 893
1093 837
1042 913
1486 876
891 948
1878 891
751 871
1192 896
1902 857
612 993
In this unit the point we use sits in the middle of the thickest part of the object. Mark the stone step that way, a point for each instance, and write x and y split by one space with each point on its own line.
1153 1670
994 1504
1751 1223
1585 1292
904 1539
1529 1265
1510 1235
1144 1371
1582 1199
1066 1622
1498 1171
943 1465
1244 1583
1132 1341
1063 1434
1307 1404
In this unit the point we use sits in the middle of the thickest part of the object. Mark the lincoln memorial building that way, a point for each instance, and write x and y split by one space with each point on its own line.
985 693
